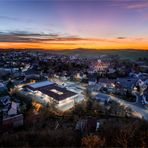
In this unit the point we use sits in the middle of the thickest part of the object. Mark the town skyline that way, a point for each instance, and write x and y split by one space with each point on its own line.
74 73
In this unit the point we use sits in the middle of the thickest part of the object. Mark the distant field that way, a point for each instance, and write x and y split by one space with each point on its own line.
124 53
129 54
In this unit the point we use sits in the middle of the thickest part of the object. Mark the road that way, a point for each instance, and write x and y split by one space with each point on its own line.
136 106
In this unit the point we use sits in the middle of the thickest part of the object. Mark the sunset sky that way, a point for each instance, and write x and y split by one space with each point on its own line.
69 24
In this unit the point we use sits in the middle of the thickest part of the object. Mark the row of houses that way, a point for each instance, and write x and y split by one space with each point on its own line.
119 86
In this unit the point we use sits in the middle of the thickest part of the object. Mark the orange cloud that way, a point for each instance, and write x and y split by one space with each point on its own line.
75 42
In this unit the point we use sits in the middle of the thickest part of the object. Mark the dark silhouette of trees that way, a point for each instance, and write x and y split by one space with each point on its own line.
113 133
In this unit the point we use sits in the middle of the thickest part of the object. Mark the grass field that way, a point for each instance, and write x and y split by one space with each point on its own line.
132 54
127 54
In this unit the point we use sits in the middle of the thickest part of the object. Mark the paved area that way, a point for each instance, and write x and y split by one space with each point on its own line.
137 106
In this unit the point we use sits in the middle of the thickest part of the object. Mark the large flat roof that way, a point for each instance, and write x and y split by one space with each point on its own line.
40 84
51 89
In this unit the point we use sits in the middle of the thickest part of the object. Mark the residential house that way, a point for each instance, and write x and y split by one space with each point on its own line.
12 122
102 98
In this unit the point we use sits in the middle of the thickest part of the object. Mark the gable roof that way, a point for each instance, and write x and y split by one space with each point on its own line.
127 83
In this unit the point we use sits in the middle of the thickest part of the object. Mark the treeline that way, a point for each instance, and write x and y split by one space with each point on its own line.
49 130
128 133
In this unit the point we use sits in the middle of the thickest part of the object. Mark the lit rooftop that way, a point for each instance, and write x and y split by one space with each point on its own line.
40 84
51 89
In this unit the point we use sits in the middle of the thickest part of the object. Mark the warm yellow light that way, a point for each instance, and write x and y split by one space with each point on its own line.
88 43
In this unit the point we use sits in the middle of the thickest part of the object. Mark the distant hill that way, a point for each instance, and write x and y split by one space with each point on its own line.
123 53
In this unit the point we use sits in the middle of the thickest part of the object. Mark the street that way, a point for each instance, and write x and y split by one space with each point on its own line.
136 107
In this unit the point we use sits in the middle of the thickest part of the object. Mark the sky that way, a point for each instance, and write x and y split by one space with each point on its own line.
70 24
